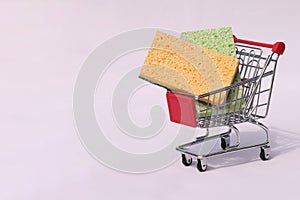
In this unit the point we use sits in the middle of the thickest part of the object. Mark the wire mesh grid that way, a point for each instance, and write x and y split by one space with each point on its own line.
249 95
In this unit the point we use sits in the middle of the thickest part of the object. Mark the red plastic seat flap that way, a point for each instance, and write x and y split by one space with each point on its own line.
181 109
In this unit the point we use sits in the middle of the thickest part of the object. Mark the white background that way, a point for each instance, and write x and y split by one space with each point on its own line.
42 47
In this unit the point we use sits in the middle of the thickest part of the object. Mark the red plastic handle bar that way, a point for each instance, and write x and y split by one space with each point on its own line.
278 47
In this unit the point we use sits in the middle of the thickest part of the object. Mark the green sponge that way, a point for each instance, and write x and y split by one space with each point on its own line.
219 40
235 103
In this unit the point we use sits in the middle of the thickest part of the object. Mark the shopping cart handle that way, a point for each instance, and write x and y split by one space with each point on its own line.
278 47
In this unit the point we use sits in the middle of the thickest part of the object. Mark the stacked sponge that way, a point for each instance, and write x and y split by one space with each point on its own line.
182 66
219 40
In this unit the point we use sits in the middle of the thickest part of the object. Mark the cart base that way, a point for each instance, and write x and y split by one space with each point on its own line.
187 155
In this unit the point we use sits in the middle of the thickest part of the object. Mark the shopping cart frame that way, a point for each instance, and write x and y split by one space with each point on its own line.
257 70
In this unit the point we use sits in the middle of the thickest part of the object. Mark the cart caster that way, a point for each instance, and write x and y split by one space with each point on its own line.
225 142
264 153
201 165
186 160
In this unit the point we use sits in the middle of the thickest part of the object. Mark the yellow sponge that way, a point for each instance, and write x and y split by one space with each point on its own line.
202 69
181 66
226 66
166 77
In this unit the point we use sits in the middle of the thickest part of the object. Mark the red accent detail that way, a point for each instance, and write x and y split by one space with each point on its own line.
181 109
278 47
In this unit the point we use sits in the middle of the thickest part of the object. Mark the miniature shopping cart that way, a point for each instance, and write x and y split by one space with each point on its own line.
247 100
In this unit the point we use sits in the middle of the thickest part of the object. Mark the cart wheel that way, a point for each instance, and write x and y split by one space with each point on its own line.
225 142
201 165
264 153
186 161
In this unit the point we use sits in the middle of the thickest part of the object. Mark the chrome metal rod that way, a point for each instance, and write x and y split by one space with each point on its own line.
233 149
264 127
249 102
